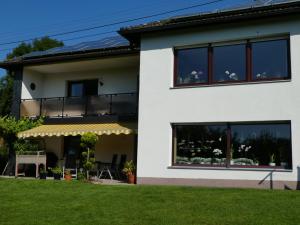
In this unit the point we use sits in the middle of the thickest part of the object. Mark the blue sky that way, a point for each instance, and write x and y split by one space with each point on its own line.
21 20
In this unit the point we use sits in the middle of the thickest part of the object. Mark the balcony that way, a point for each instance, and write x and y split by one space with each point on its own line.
121 104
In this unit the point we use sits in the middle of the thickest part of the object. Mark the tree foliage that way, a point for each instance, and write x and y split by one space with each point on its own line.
6 82
88 142
42 44
9 128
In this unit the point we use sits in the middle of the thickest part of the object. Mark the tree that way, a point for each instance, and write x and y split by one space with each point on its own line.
6 82
9 128
88 142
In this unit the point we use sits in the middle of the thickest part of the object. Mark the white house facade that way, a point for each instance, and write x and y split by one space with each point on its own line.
217 95
255 105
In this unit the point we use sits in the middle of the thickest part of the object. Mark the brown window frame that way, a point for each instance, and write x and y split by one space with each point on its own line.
228 146
249 64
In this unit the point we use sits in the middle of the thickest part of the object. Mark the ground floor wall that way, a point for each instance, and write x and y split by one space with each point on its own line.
155 164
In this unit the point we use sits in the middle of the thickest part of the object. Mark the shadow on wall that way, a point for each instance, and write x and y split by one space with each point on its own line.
269 178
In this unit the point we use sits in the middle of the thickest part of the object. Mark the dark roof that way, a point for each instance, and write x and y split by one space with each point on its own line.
256 10
105 43
108 46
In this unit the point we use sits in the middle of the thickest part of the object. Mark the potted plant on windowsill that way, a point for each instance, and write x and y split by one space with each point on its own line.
43 174
129 169
67 175
57 172
272 160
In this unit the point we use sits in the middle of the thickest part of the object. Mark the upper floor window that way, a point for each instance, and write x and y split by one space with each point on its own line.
270 60
192 67
243 62
82 88
229 63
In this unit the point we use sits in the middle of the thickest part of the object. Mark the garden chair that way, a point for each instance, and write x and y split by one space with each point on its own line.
110 168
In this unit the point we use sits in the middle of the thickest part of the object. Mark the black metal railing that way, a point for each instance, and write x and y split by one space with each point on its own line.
107 104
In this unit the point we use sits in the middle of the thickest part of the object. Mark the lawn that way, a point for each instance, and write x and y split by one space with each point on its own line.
32 202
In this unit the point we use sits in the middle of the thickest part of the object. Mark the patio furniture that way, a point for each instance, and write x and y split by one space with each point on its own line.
109 168
38 158
121 165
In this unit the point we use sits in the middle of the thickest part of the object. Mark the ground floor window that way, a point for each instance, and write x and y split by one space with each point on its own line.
259 144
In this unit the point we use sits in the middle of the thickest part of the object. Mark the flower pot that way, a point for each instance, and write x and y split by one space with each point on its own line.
43 176
130 178
68 177
56 176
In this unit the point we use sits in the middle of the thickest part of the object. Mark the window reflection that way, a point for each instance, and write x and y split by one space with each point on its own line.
229 63
200 144
261 145
192 66
269 59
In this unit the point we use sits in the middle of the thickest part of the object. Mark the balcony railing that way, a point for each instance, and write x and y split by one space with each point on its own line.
108 104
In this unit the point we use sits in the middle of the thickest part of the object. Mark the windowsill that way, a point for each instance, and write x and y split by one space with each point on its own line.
230 84
231 168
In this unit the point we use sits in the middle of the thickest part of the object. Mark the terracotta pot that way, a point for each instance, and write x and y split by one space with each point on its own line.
68 177
130 178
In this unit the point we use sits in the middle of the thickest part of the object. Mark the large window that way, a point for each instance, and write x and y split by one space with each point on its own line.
233 145
243 62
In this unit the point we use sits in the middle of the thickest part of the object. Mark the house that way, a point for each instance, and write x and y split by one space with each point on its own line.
217 94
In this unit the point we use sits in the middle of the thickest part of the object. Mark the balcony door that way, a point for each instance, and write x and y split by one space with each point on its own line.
82 88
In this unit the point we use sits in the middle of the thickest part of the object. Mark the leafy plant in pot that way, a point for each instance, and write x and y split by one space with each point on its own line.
129 169
88 142
68 176
57 172
43 174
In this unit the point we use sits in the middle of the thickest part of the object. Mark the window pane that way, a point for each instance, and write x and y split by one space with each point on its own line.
261 145
192 66
76 90
200 144
229 63
270 59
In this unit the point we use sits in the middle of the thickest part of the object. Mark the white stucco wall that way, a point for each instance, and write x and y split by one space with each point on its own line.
29 77
160 105
116 80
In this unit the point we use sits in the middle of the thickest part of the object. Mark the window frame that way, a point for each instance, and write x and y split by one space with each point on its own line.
249 63
228 147
83 82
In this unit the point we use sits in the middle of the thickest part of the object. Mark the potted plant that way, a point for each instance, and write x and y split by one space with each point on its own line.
129 169
272 160
57 172
43 174
67 175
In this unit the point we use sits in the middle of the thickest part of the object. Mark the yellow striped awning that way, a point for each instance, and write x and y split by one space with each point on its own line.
79 129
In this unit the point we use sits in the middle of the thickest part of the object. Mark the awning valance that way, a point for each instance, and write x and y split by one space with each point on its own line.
79 129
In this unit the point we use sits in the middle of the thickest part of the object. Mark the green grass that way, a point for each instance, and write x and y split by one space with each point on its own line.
32 202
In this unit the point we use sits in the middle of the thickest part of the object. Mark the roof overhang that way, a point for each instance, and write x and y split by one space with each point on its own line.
281 9
71 56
